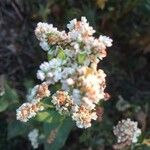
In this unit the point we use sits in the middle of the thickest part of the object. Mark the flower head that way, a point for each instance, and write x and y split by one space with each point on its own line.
33 137
72 64
106 40
62 101
38 92
27 111
51 71
83 116
43 29
127 131
43 91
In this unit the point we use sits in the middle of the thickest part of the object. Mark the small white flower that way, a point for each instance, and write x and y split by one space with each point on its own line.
106 40
44 45
43 29
32 94
51 71
70 81
136 135
76 96
45 66
127 131
62 101
76 46
2 93
50 75
68 71
40 75
65 85
57 76
55 63
83 116
33 137
71 25
75 35
83 19
88 103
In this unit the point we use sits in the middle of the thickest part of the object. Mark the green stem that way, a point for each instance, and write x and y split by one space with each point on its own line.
132 147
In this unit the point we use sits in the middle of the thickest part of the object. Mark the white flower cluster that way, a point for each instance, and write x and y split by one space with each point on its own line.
72 64
48 34
83 116
62 101
33 137
75 56
127 131
27 111
30 109
51 71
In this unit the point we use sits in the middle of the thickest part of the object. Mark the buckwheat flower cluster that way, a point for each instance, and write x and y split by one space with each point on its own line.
127 131
33 137
51 71
38 92
73 58
83 116
31 108
27 111
47 34
62 101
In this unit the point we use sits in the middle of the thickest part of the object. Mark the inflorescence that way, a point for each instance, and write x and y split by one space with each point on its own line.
127 132
72 63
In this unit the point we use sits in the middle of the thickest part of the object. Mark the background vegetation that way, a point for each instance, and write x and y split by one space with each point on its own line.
127 22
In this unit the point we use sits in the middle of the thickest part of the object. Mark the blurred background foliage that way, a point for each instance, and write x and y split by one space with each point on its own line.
127 22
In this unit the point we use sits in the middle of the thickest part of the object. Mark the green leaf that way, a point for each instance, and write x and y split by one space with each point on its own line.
51 52
62 126
28 83
81 58
10 97
46 116
49 56
16 128
3 104
61 54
